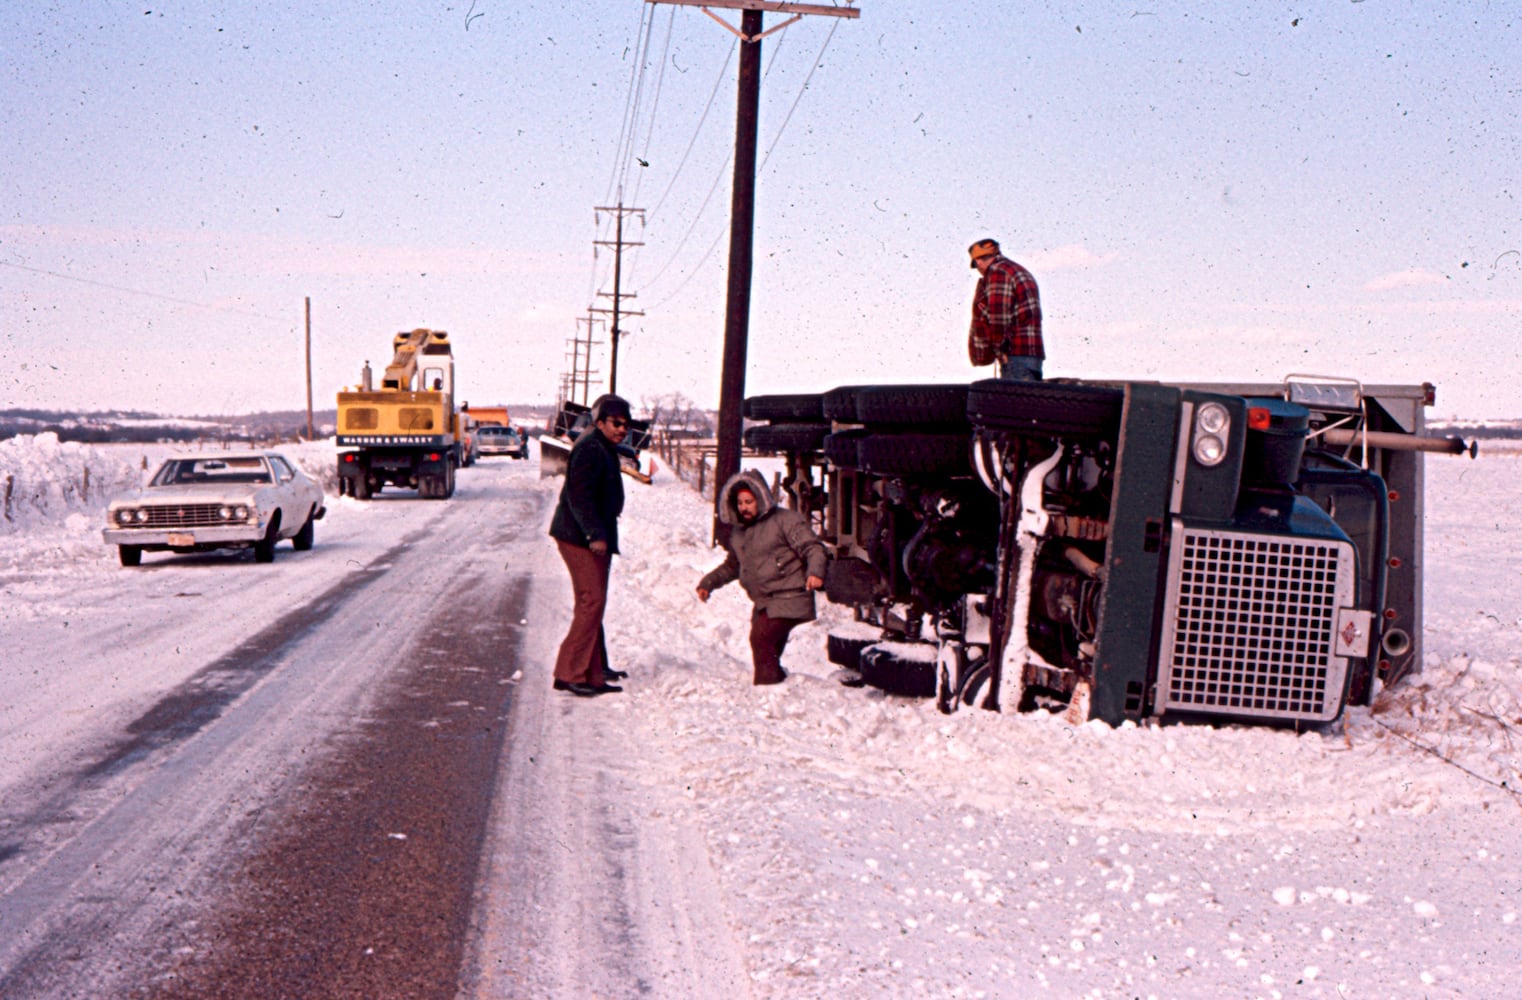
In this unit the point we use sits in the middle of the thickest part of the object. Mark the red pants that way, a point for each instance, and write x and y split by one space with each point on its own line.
768 637
584 652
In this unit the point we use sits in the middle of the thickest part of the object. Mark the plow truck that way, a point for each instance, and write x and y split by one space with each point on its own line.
406 432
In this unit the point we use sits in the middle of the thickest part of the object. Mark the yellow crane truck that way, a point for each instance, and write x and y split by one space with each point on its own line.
407 432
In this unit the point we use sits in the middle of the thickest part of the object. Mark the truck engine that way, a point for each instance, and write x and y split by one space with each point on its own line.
1125 550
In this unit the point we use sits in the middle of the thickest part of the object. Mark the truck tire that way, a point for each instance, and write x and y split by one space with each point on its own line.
130 555
883 668
796 407
915 454
840 449
840 403
975 687
1045 408
361 487
913 405
786 437
845 650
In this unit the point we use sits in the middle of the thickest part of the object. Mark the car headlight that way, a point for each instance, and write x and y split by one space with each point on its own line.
240 513
140 516
124 516
1212 423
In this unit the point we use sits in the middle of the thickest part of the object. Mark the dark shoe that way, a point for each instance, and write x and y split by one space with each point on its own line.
580 690
606 688
615 675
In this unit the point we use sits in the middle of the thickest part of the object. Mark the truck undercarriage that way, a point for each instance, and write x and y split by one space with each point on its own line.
1223 553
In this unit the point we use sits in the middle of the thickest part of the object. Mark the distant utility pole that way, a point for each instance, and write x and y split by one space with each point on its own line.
309 368
742 216
580 377
618 295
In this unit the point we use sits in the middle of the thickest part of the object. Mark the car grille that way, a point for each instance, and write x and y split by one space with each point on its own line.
188 515
1251 625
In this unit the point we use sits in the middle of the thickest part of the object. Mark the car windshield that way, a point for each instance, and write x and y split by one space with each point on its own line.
187 471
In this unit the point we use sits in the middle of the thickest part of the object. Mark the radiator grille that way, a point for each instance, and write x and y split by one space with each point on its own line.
185 515
1251 625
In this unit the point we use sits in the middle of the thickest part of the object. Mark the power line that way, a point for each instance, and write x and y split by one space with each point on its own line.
623 153
626 151
145 294
764 160
655 102
718 82
634 73
718 176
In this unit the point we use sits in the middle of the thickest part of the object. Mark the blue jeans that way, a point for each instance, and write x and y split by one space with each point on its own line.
1020 368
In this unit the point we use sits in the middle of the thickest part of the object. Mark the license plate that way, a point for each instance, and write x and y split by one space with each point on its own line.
182 539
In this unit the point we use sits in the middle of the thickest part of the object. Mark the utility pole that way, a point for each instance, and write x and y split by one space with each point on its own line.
581 362
742 218
618 295
309 368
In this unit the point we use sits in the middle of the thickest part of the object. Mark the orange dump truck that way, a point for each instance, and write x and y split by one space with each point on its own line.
480 416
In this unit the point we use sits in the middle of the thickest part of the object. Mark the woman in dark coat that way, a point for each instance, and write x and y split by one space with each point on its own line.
585 528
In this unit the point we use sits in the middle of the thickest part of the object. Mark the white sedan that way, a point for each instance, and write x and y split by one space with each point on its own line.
225 500
494 439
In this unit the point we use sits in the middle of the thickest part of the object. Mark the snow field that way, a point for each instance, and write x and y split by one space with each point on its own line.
868 846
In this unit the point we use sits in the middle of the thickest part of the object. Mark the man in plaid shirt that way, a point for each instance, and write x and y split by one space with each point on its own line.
1006 316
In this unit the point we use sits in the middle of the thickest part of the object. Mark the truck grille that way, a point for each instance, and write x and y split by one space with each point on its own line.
1250 626
187 515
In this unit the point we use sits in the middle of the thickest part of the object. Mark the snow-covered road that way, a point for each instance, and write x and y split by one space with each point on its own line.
696 837
153 828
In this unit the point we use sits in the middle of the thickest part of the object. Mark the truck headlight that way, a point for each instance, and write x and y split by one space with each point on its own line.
1212 423
1209 449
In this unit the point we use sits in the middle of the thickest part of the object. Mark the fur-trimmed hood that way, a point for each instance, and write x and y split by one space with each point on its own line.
753 481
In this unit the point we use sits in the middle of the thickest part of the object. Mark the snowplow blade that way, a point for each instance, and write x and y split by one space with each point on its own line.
554 454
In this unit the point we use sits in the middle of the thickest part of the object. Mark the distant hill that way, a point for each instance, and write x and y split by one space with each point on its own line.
120 425
1492 429
134 425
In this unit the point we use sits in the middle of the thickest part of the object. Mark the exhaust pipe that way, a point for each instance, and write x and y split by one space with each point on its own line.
1396 642
1400 442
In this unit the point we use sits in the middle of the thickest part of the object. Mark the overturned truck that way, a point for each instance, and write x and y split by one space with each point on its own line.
1125 550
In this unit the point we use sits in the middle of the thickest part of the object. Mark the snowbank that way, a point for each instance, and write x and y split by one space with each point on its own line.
46 482
1457 716
53 494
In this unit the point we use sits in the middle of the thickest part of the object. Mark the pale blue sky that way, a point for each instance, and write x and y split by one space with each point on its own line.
1216 191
